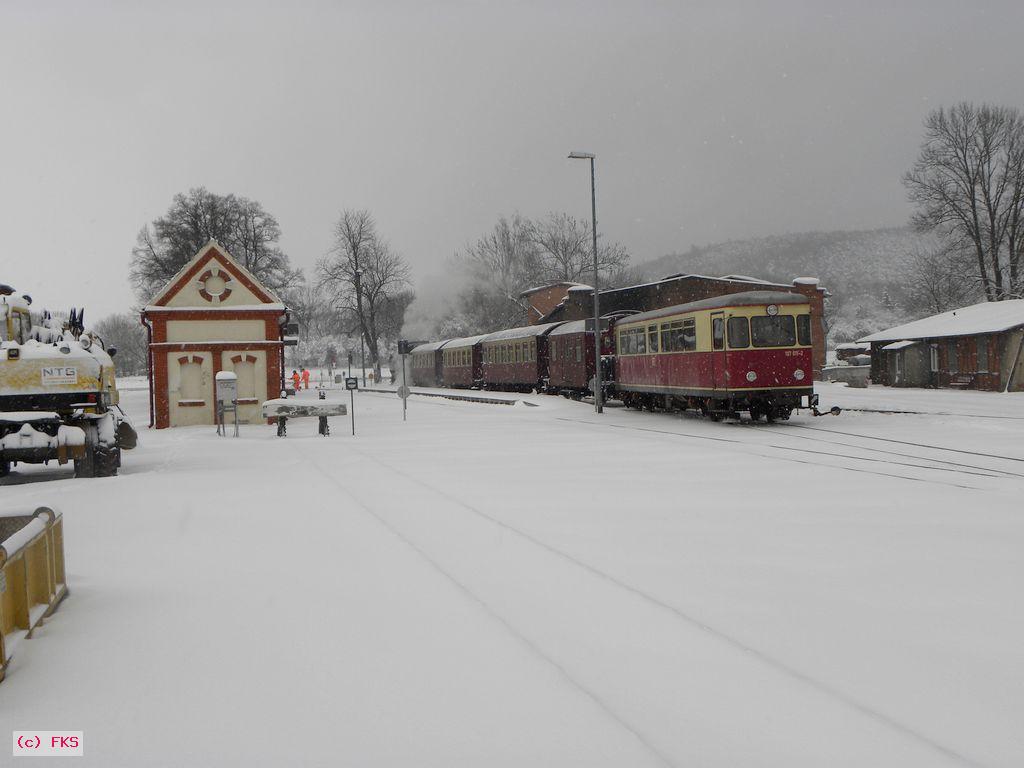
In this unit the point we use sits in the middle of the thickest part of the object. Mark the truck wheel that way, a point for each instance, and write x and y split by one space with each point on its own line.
85 466
106 460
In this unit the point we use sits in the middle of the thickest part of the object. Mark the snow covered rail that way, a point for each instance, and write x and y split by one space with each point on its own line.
32 581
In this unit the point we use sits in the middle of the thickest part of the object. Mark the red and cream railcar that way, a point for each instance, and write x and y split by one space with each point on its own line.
461 362
516 359
742 352
426 364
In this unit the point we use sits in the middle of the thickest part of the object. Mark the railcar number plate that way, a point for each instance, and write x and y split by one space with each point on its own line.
59 376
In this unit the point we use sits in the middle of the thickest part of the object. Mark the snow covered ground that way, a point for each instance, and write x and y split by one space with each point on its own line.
542 586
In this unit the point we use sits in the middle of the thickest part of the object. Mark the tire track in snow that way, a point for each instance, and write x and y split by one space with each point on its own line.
476 599
778 665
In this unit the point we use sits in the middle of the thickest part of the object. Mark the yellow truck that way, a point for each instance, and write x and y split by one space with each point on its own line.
58 396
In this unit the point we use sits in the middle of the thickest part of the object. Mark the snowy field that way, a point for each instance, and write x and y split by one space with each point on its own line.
491 585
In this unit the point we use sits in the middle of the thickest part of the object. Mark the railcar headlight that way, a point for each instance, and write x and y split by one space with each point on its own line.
798 374
751 376
85 342
772 310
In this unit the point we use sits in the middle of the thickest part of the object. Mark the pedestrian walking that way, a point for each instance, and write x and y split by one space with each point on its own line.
295 380
305 378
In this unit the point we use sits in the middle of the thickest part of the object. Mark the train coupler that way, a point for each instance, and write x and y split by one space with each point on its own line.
835 410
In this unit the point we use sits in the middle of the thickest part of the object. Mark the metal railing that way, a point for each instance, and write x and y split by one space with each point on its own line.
32 579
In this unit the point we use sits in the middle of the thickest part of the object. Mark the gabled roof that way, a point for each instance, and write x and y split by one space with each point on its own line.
987 317
195 266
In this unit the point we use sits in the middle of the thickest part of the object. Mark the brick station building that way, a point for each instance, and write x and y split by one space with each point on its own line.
212 316
576 302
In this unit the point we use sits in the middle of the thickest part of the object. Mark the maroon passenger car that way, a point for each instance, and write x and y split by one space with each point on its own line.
461 362
516 359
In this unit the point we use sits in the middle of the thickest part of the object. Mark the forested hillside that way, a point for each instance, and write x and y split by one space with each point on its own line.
872 274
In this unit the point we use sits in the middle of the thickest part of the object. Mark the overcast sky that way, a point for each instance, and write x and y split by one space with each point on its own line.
710 120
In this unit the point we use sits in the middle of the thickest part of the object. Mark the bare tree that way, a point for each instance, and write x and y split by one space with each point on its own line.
942 278
968 184
361 274
566 252
125 332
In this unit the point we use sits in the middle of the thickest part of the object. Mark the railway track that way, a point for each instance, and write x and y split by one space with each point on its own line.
749 650
867 455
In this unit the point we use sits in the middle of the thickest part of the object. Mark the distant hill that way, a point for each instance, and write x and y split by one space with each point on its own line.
865 271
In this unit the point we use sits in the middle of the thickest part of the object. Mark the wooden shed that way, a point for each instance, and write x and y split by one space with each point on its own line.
975 347
214 315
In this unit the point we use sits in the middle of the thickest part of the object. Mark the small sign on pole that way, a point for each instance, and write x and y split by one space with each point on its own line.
352 384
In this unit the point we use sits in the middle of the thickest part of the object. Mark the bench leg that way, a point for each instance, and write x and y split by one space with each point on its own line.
325 429
282 426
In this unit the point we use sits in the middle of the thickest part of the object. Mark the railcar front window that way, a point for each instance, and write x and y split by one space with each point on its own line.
769 331
739 333
803 330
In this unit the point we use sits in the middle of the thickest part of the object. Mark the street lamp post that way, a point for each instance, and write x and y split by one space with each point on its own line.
598 401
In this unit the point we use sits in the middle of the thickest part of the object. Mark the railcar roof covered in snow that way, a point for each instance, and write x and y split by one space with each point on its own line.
745 299
431 347
523 332
576 326
465 341
987 317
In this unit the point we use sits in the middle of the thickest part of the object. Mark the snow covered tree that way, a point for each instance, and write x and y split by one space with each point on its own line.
242 226
968 184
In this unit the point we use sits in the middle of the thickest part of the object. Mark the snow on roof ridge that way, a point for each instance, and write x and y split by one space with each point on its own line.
985 317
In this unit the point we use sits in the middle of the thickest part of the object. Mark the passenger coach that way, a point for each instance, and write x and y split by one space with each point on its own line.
426 364
516 359
461 362
741 352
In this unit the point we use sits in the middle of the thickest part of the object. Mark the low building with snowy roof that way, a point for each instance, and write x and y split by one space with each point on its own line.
213 316
577 301
976 347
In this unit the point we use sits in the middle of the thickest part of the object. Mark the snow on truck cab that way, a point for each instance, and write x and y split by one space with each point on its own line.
58 396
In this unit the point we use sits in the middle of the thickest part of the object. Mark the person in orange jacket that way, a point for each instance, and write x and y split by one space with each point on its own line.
305 378
295 380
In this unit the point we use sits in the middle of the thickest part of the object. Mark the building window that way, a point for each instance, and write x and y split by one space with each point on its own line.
952 358
191 386
983 361
245 370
